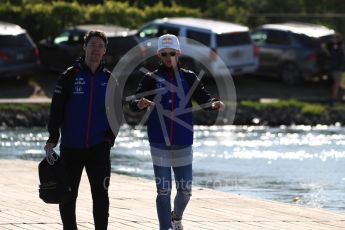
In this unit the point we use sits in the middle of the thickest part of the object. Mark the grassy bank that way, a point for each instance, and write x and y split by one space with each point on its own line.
304 107
289 112
24 107
272 113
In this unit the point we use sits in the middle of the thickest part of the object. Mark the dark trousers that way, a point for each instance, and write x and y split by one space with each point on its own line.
96 161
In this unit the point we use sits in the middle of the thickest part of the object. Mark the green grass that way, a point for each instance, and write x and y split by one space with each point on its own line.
24 107
340 107
315 109
305 107
274 104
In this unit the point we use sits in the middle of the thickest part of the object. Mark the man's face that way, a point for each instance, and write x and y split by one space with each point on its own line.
94 50
169 56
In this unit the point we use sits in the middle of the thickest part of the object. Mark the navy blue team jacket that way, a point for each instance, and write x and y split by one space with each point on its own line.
78 108
170 91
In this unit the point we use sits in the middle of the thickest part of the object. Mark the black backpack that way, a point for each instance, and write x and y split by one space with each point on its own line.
54 187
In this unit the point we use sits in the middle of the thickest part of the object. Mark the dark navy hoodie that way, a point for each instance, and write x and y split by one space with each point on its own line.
170 121
78 108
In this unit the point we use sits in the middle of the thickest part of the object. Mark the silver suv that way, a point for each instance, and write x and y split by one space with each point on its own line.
228 41
18 53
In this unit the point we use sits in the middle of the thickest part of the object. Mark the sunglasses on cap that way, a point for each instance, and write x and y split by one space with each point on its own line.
171 54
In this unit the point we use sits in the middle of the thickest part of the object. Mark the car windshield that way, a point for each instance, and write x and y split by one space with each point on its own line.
233 39
62 38
10 41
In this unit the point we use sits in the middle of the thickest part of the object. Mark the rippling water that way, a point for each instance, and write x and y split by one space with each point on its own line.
301 164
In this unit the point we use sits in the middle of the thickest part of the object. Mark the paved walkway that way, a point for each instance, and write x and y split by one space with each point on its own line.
132 202
25 100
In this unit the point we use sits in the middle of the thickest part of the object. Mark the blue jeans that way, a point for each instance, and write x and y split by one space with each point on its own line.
183 180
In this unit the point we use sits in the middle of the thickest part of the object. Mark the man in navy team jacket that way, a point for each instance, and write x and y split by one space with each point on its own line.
168 93
78 112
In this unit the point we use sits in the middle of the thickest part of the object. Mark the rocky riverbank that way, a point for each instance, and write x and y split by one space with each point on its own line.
288 112
24 115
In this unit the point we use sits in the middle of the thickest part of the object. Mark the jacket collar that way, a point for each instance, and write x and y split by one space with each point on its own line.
163 69
80 63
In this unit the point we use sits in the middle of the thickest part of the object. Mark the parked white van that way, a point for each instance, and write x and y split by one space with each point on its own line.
218 40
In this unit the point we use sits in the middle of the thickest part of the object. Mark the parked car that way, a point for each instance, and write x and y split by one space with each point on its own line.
231 42
61 51
19 55
292 50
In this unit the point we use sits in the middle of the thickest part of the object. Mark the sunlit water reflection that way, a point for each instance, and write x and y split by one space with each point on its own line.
270 163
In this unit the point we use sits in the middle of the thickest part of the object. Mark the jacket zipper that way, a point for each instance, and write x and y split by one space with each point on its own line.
172 109
90 113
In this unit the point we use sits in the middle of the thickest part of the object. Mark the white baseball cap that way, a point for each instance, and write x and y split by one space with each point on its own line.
168 41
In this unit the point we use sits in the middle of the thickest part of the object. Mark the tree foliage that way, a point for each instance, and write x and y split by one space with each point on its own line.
47 17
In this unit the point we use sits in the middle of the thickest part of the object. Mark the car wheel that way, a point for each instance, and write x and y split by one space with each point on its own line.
291 74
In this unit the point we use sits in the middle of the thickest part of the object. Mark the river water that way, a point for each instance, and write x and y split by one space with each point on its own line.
298 164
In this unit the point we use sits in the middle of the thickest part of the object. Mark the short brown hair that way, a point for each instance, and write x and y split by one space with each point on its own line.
95 33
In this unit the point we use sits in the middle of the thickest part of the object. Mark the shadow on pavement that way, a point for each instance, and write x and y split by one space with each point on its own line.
249 87
38 85
255 87
46 81
15 88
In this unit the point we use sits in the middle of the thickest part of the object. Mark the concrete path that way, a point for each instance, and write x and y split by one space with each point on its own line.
132 202
25 100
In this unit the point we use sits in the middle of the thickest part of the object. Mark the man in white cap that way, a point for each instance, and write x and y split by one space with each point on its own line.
170 127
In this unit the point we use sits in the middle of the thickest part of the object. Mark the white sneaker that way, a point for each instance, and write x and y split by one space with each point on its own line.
177 225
